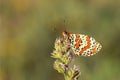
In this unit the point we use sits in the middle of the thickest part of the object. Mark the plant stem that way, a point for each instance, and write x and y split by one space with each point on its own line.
65 76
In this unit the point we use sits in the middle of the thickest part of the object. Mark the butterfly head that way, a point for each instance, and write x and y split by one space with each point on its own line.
65 34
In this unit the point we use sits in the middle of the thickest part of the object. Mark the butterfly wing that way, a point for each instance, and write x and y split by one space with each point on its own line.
83 45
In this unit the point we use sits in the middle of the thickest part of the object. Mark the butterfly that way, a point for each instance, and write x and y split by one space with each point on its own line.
82 45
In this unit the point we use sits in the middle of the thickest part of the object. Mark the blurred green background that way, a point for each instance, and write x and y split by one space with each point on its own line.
28 29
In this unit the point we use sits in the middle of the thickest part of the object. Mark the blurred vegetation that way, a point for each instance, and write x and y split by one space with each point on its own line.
28 29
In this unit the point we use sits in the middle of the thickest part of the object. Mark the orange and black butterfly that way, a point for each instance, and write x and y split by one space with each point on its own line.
82 45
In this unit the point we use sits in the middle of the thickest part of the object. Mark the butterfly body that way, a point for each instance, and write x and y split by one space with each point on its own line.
82 45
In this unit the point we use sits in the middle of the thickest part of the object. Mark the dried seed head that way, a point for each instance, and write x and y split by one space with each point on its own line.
59 66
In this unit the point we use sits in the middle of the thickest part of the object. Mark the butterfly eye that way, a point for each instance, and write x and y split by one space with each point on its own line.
65 32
